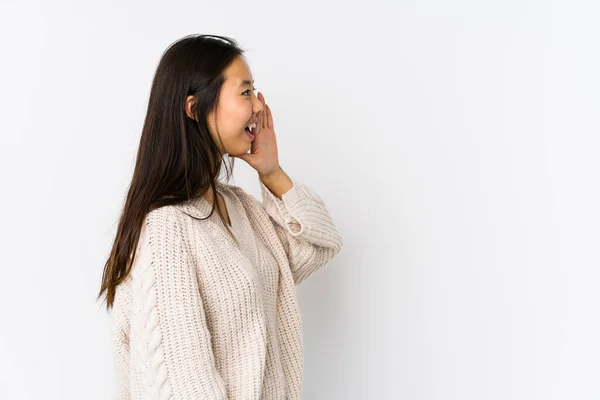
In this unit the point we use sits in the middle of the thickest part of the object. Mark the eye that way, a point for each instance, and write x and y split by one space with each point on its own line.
249 90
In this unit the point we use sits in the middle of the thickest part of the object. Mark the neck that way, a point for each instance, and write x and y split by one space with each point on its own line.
208 196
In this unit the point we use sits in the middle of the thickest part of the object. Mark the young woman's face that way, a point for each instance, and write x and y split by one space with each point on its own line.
237 108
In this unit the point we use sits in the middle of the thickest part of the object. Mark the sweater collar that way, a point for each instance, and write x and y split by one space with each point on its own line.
199 207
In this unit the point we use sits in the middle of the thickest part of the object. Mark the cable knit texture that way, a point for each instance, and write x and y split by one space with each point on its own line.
204 315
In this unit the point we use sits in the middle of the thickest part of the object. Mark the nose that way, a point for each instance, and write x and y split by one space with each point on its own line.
258 102
258 105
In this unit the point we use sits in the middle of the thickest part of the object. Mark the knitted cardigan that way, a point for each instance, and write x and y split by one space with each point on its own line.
203 315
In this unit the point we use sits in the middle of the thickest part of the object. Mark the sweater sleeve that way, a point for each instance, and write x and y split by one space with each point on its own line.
171 352
305 228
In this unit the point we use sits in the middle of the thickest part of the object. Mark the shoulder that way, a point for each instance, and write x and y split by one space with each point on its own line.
164 223
163 215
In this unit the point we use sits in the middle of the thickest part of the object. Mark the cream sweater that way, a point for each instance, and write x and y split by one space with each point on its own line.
201 317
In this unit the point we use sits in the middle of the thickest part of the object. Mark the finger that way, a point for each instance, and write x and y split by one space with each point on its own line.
263 112
270 118
258 122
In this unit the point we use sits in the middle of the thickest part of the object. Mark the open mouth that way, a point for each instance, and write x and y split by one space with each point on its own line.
250 131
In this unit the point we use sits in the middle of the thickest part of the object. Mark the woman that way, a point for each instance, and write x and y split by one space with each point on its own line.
204 304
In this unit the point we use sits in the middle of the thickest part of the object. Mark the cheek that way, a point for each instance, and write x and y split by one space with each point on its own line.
242 112
234 118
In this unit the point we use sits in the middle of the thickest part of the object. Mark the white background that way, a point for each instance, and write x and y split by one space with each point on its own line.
456 144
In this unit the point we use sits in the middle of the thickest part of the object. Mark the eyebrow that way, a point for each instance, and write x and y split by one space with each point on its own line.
246 82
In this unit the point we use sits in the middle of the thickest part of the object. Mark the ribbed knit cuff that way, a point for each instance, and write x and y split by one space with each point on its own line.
288 210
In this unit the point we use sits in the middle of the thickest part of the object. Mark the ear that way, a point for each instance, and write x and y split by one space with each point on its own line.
190 102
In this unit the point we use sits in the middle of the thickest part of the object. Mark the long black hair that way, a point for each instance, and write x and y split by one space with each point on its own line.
177 158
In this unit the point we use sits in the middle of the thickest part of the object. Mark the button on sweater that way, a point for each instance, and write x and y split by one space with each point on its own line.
207 315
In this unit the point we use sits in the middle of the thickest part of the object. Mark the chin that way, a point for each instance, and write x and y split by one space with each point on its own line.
239 153
240 149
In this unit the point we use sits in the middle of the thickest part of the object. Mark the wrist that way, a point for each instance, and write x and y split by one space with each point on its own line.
271 175
277 182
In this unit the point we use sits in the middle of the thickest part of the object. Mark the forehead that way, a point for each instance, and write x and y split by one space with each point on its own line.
237 72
